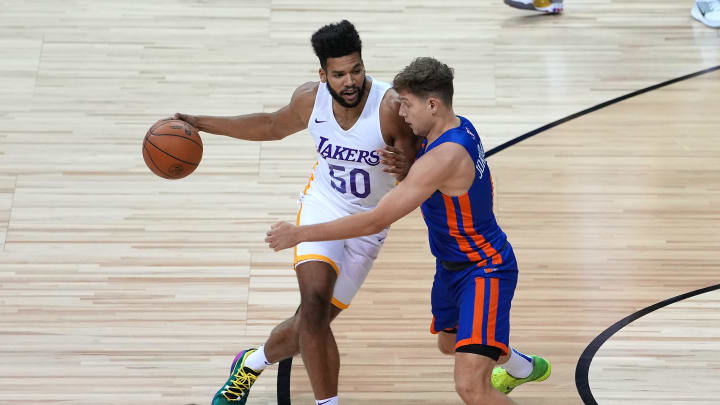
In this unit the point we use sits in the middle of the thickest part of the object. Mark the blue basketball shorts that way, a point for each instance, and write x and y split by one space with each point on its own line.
475 301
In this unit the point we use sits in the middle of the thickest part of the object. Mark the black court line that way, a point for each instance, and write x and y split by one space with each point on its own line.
595 108
583 365
283 381
283 378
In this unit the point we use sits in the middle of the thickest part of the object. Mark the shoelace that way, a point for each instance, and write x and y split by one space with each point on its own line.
242 381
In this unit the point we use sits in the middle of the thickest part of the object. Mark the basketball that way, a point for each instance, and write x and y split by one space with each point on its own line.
172 149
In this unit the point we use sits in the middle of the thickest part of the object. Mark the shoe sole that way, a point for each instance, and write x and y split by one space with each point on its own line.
698 16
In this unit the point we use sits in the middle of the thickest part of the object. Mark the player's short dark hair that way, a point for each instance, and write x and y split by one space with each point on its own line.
335 40
426 76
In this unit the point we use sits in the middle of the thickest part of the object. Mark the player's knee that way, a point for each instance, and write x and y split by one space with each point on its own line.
445 347
314 311
446 341
472 391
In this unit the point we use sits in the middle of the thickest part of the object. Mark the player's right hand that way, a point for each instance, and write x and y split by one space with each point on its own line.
190 119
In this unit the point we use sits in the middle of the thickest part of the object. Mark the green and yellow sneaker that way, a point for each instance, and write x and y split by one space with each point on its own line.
237 387
504 382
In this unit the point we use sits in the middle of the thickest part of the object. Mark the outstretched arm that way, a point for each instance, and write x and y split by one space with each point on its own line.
426 176
261 126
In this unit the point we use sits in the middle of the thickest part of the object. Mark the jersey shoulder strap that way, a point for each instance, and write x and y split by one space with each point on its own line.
465 135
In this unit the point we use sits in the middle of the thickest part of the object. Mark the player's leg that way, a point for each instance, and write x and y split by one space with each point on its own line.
446 341
283 340
515 363
321 356
317 265
472 380
315 339
351 261
316 281
483 332
514 367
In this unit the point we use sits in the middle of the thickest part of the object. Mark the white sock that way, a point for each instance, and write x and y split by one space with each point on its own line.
257 360
518 365
328 401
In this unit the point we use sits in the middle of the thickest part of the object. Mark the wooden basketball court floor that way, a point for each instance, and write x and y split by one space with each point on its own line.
119 287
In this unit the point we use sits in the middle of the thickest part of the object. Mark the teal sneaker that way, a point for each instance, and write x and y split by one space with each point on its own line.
237 387
504 382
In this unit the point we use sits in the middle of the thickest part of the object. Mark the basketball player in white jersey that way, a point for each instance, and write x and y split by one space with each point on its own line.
363 145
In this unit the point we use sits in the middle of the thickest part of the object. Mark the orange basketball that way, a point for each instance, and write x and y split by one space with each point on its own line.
172 149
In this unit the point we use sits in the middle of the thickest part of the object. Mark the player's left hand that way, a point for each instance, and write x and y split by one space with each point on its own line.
394 162
282 235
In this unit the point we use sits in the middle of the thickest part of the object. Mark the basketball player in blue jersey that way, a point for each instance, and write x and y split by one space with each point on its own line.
363 146
476 272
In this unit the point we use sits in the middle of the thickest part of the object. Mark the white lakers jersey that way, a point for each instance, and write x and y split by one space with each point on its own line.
348 170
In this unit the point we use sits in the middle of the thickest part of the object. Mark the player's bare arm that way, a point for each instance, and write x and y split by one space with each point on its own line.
402 147
437 170
277 125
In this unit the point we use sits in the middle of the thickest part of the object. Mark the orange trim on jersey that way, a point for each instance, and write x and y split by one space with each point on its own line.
455 232
435 332
297 222
492 311
312 177
465 342
479 309
466 211
339 304
476 338
319 258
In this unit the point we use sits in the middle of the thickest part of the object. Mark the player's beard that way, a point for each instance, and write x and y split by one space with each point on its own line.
344 103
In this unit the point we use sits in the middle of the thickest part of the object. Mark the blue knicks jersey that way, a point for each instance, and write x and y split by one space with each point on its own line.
463 228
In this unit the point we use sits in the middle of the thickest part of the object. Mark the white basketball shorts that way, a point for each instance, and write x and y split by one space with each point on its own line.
351 259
